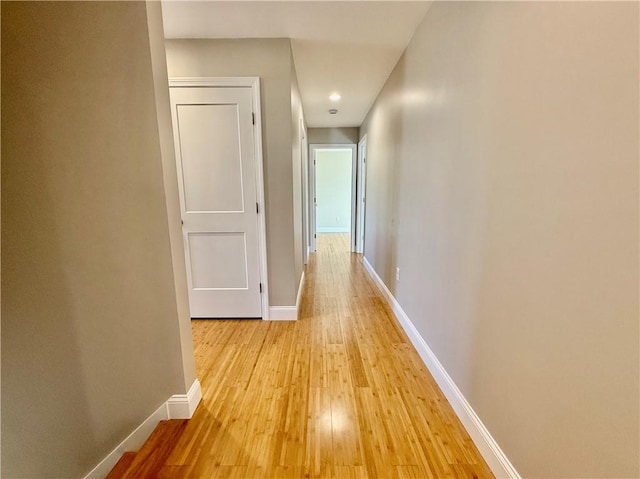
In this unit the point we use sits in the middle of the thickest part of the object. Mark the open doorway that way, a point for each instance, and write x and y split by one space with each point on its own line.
333 187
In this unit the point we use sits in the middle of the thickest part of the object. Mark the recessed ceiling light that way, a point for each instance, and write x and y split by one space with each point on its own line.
334 97
333 111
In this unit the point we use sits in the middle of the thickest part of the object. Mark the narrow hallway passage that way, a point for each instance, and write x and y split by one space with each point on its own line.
340 393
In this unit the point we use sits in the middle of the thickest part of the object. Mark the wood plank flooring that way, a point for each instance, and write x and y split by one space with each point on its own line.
338 394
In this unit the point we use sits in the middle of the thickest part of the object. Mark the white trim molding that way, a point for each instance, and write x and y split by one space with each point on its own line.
288 313
486 444
134 441
182 406
283 313
333 229
254 84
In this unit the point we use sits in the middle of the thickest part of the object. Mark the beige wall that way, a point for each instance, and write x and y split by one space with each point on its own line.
503 182
333 135
90 344
170 177
269 59
298 157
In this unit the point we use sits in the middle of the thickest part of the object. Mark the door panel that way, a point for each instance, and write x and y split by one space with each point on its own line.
211 164
218 260
214 141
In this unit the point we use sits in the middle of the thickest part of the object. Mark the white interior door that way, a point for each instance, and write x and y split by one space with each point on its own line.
215 157
313 201
361 196
304 148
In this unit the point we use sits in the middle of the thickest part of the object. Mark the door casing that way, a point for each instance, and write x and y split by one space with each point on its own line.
361 195
312 189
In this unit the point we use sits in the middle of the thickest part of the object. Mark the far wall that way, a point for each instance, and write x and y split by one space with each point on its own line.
333 190
333 136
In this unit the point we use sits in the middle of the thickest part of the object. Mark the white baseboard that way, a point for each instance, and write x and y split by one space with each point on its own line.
137 438
283 313
488 447
133 442
333 229
182 406
288 313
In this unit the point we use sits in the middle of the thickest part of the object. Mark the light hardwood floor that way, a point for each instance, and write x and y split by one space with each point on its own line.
340 393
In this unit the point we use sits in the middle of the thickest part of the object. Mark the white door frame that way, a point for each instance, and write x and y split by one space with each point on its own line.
304 158
312 184
361 194
254 84
312 200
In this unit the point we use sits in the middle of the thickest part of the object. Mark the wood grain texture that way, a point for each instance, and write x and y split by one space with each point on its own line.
148 462
340 393
121 467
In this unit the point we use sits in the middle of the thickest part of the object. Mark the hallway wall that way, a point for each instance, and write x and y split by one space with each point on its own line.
90 333
298 165
503 182
170 177
326 136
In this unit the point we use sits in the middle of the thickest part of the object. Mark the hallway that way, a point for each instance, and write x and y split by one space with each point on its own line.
340 393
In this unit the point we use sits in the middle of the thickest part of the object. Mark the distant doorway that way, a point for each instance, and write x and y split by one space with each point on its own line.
333 186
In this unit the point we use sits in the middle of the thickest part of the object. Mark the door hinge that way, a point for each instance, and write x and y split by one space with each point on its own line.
253 118
261 287
257 208
314 235
364 160
314 162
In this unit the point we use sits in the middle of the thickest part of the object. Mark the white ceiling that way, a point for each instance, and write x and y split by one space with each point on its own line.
349 47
